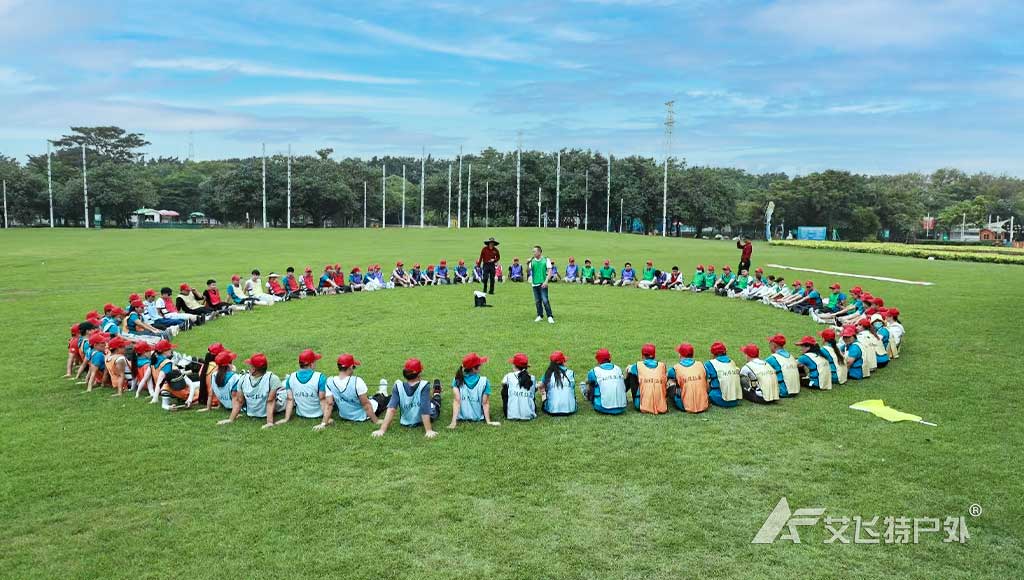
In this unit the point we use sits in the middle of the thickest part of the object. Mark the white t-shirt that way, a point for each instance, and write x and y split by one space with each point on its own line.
356 382
253 287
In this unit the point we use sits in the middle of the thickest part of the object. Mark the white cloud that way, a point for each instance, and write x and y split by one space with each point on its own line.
261 70
491 48
353 103
870 24
14 81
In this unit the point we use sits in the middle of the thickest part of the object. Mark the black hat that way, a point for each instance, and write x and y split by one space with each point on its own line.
491 241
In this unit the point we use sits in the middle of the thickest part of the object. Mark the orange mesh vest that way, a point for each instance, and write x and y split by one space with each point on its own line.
653 384
693 386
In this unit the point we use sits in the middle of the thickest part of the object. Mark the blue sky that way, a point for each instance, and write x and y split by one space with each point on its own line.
785 85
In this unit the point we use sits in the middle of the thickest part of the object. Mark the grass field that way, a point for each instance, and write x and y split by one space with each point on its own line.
99 487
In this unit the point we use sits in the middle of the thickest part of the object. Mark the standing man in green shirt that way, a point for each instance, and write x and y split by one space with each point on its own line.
539 268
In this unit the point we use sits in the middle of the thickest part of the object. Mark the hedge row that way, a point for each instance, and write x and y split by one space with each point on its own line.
985 255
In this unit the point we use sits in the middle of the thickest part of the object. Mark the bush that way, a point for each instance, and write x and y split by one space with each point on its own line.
991 255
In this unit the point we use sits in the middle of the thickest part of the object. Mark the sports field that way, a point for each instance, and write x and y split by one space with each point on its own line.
94 486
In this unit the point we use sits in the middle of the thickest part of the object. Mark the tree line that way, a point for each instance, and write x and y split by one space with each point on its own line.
330 192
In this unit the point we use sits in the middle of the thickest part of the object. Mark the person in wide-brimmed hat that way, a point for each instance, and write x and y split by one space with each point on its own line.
489 256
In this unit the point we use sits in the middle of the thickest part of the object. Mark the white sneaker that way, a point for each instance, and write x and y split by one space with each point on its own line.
551 320
538 319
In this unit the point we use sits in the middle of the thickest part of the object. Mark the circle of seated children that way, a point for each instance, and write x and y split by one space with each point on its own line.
130 350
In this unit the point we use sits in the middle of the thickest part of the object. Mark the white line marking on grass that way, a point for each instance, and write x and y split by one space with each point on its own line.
881 278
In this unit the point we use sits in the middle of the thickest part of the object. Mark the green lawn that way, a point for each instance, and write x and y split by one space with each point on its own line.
100 487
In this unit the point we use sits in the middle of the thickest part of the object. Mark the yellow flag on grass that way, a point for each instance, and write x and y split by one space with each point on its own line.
878 408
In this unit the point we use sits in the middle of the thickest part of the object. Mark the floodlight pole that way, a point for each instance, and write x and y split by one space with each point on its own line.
49 180
383 195
487 203
449 195
558 188
85 187
469 197
264 185
364 205
5 204
586 201
423 180
621 201
289 221
608 200
540 192
403 195
519 154
459 221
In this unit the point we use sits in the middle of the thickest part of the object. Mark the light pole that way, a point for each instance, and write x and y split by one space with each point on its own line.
85 187
558 188
264 185
49 181
383 196
289 218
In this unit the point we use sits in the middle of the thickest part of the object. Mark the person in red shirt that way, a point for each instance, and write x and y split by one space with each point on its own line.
746 249
489 256
308 283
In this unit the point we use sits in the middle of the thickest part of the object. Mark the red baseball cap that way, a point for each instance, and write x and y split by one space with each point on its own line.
413 365
865 322
356 269
337 266
98 338
399 263
711 267
606 262
142 347
894 312
809 284
258 360
778 339
750 350
879 301
108 307
602 355
519 359
236 278
328 267
796 282
650 262
215 348
225 358
557 357
308 357
309 270
727 268
462 262
444 262
74 330
718 348
472 360
117 342
759 271
856 290
835 286
571 259
416 265
827 334
163 345
647 350
92 314
118 311
346 360
150 292
184 287
685 350
807 341
137 303
133 297
849 331
700 266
